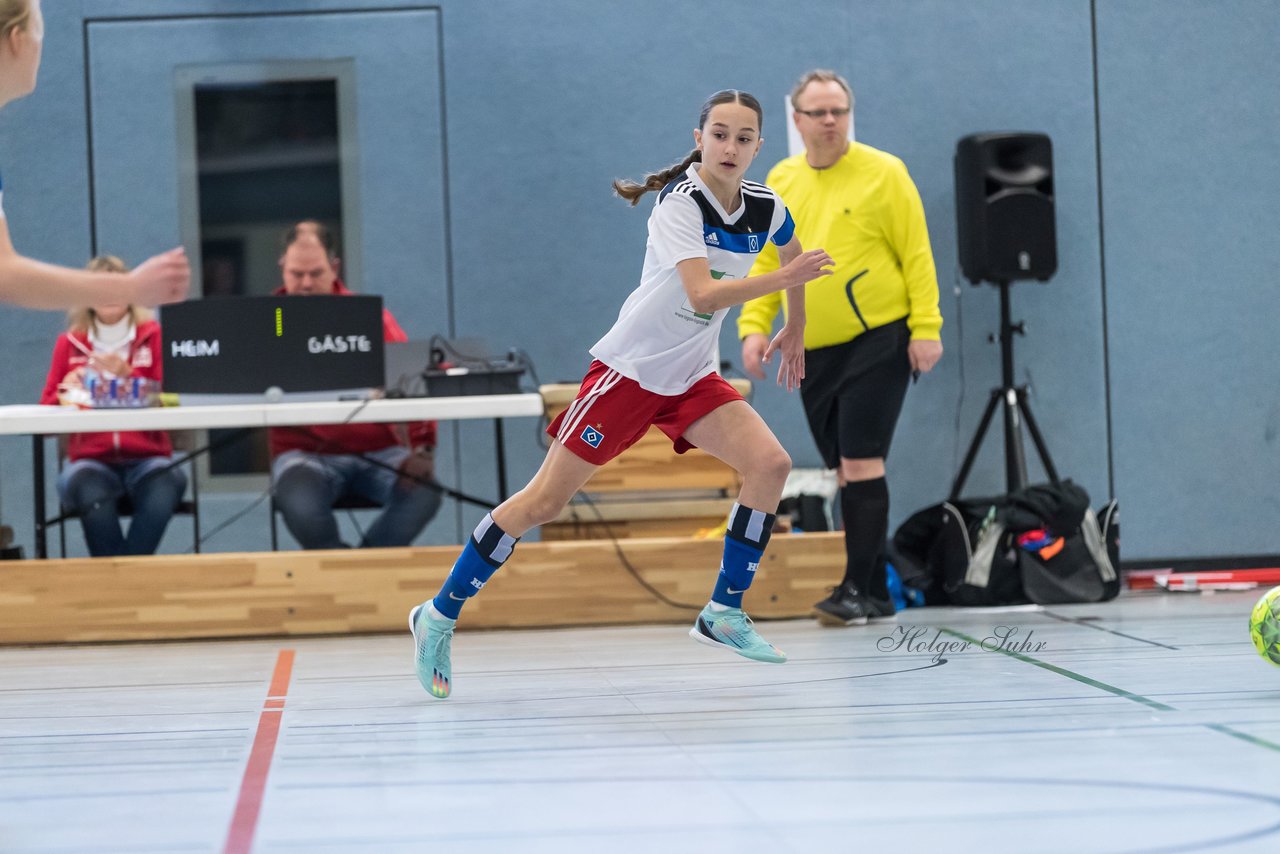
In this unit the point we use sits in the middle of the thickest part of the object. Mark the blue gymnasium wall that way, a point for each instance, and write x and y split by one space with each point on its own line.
1190 121
547 102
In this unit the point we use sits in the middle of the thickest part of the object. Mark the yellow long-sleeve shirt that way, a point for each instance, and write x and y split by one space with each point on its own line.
866 212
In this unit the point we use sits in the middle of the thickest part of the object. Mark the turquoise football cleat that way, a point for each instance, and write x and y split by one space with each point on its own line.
432 639
732 629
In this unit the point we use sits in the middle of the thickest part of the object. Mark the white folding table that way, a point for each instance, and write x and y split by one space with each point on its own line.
41 421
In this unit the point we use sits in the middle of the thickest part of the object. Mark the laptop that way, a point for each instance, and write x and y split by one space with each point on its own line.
406 366
246 345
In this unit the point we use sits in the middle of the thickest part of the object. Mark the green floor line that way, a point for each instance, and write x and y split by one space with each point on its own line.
1103 686
1244 736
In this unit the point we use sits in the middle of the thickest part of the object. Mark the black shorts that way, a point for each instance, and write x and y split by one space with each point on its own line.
853 393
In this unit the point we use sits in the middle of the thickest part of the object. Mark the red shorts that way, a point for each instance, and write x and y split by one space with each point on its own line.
612 412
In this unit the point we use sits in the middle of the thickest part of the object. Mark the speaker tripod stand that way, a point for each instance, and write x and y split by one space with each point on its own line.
1013 399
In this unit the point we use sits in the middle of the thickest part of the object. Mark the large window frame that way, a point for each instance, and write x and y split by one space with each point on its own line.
187 78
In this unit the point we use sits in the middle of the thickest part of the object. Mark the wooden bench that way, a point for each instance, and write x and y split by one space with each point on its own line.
267 594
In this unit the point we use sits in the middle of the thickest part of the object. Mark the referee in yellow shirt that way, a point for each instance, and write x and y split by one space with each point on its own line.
870 326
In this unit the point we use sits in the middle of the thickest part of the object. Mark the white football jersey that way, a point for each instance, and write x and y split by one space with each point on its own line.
659 340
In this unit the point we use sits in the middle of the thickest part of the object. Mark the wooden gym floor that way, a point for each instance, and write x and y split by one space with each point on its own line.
1142 725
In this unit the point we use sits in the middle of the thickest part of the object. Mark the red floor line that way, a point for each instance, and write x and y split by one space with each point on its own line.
244 822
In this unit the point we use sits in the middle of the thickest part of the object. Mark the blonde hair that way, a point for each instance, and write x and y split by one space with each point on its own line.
819 75
82 318
14 15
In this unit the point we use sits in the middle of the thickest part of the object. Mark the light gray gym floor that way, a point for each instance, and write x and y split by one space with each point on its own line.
1141 725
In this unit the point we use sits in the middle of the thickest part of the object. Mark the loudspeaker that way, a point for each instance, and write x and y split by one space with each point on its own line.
1004 207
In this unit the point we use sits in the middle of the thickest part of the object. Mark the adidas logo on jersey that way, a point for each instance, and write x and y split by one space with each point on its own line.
712 239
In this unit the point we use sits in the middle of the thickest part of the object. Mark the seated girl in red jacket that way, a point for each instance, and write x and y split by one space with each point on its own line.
121 341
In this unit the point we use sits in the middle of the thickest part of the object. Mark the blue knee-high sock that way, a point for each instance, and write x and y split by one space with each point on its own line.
486 550
744 544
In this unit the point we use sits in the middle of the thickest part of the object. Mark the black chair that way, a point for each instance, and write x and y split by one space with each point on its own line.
182 442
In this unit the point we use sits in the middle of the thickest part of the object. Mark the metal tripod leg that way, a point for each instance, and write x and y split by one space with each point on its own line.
1038 439
976 444
1014 399
1015 459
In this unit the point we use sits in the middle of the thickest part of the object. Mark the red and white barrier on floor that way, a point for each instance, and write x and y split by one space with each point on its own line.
1218 579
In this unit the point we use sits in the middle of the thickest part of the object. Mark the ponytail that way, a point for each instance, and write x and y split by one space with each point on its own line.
631 191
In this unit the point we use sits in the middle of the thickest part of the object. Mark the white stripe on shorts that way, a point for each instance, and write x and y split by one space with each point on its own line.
574 414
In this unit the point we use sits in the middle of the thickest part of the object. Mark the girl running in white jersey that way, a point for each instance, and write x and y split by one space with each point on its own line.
162 279
657 367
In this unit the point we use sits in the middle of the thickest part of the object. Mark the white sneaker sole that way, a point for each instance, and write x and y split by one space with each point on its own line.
703 639
413 622
831 620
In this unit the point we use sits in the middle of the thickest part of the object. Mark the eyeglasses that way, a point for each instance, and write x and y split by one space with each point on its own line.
837 113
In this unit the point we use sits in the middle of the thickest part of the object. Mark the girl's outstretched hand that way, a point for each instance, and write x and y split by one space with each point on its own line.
808 266
790 342
162 279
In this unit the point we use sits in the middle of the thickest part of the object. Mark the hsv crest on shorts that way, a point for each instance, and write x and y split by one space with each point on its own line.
592 436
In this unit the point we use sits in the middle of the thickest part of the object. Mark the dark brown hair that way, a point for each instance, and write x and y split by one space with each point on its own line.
632 191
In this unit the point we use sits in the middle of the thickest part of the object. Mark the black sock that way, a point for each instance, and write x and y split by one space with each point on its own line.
878 586
864 504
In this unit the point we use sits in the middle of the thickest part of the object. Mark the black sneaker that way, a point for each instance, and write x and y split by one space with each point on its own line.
885 610
848 607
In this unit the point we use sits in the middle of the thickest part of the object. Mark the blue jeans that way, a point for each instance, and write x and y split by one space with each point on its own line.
91 488
306 486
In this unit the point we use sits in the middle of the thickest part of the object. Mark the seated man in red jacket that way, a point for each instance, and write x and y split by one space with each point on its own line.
313 467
